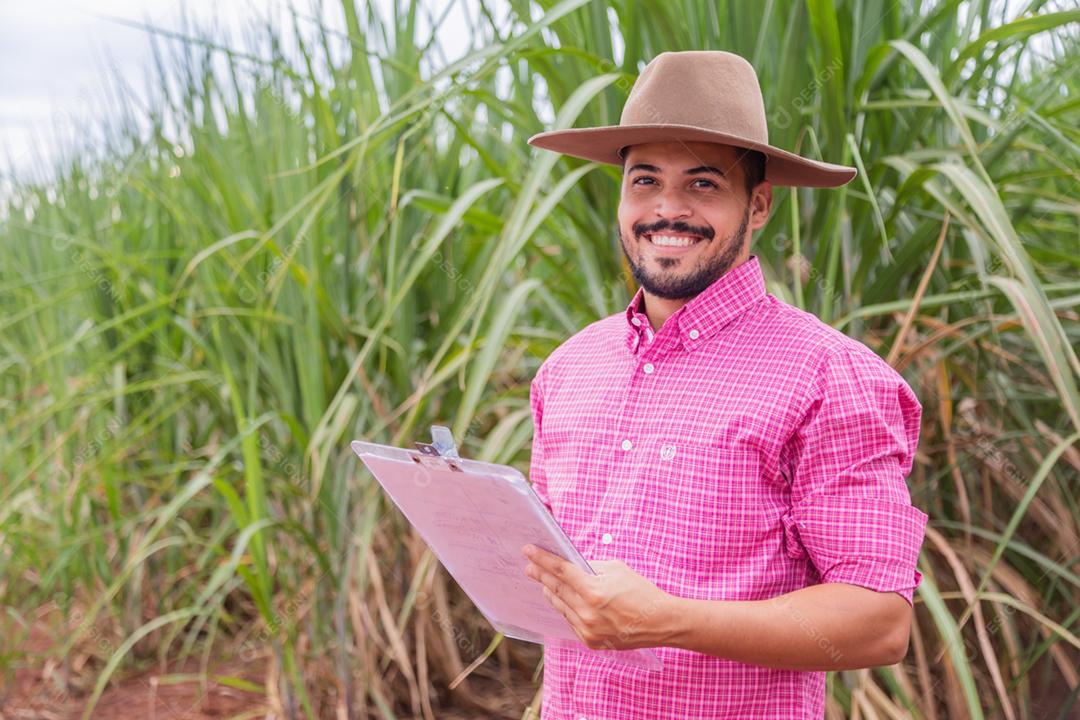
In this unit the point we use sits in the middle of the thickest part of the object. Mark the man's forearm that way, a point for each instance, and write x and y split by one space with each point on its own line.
833 626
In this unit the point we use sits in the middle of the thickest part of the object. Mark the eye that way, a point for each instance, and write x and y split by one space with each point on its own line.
640 178
708 183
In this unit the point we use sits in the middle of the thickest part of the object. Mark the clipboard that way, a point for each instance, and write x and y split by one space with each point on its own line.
476 517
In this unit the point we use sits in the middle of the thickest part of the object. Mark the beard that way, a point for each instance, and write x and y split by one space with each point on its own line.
671 286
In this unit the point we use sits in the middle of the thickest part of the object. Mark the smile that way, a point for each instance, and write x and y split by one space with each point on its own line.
672 240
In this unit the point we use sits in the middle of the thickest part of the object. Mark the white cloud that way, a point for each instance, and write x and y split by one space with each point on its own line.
59 57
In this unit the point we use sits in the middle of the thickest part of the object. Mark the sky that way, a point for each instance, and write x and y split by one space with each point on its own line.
56 58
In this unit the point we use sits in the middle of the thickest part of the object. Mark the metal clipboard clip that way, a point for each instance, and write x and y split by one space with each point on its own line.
440 452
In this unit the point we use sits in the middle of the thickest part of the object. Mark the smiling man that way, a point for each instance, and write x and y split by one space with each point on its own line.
733 468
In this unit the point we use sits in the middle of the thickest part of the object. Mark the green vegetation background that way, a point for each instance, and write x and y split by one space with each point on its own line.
354 241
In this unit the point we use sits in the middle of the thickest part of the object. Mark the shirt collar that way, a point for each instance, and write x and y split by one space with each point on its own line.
708 311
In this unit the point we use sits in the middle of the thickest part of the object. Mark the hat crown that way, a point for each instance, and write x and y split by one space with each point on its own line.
699 88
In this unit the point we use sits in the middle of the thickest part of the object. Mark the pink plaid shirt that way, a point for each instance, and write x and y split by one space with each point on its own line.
743 451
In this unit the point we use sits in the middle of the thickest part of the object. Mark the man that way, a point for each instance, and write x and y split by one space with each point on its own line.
733 468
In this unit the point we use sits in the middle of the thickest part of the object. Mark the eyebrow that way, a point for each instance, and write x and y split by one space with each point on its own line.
699 170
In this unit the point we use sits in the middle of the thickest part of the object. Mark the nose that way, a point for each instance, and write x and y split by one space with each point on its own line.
672 205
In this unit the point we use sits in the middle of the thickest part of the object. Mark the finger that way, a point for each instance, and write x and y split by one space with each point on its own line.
557 587
560 568
540 556
583 632
567 612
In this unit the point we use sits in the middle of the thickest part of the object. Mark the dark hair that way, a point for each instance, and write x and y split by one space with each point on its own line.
753 166
752 161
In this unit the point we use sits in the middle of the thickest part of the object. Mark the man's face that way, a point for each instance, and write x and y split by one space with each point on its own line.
684 213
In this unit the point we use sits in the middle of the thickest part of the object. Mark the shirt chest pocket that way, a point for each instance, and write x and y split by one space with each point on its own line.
699 507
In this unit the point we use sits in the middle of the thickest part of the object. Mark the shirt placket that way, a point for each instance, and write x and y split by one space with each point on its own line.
645 359
630 439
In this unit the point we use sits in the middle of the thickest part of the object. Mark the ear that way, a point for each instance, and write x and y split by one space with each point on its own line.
760 204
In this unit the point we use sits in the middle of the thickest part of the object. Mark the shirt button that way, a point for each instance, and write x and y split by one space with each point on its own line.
648 368
606 539
648 334
626 444
694 334
636 321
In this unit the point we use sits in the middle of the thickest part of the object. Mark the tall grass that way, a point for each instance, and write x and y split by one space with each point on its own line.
354 240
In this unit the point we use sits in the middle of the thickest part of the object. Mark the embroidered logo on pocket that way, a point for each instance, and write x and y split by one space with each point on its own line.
667 451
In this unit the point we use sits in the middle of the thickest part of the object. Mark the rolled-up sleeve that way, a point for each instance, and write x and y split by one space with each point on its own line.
536 461
851 509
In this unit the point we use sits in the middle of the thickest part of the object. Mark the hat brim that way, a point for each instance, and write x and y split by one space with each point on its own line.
602 144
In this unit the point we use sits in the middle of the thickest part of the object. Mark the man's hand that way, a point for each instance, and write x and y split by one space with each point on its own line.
616 609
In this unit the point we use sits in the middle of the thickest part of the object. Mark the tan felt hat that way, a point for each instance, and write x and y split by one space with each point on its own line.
698 95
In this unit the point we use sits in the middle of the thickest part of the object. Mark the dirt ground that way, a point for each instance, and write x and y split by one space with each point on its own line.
144 697
37 693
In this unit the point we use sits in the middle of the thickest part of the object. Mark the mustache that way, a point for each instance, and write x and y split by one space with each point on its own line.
679 226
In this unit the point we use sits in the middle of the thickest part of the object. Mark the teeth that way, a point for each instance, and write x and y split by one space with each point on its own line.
672 240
